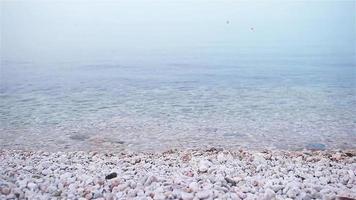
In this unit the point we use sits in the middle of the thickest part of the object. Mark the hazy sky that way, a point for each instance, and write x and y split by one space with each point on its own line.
95 30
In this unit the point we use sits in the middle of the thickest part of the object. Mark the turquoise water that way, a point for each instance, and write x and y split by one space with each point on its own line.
234 75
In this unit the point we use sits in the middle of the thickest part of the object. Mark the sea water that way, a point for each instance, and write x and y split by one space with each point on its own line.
155 75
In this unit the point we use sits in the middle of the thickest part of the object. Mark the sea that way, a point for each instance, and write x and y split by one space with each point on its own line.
155 75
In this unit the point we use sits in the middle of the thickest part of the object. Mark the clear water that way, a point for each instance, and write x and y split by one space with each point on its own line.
175 75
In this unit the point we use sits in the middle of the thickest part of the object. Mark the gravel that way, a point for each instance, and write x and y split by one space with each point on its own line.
178 174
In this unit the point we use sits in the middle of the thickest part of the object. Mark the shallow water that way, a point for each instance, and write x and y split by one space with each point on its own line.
203 84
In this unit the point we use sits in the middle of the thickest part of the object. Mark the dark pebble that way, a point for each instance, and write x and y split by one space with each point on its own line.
111 176
213 149
349 154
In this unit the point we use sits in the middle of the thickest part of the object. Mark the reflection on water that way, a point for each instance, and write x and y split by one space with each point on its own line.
276 105
202 82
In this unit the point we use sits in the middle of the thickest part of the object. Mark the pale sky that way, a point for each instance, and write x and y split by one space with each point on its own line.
75 30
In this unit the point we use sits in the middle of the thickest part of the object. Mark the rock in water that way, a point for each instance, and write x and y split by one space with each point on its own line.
315 146
79 137
111 176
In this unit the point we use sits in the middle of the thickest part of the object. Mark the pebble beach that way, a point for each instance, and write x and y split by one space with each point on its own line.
190 174
178 100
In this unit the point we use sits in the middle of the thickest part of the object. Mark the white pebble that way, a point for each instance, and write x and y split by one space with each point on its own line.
187 196
194 186
203 194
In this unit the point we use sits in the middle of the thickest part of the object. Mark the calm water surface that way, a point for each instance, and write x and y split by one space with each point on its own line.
179 74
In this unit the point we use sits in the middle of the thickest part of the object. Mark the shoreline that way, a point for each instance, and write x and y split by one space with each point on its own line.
179 174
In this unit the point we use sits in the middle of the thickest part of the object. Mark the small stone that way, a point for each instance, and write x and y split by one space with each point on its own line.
89 196
259 159
234 196
51 189
292 193
46 172
186 157
32 186
221 157
28 168
230 181
134 161
305 196
150 180
203 167
213 149
111 176
132 184
187 196
114 182
318 174
43 187
122 187
159 196
241 195
344 198
194 186
5 190
97 194
349 154
269 194
224 157
22 183
132 193
19 194
189 173
203 194
65 176
336 156
57 193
